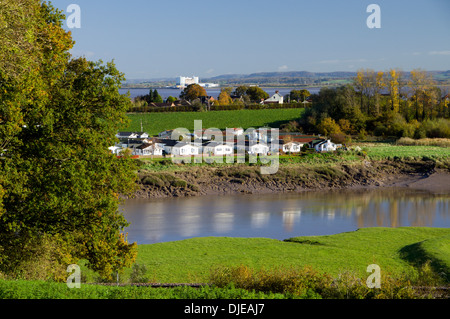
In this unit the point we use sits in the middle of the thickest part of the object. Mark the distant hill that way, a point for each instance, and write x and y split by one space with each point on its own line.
291 74
292 78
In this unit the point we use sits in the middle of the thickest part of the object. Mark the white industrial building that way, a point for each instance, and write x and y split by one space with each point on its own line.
184 81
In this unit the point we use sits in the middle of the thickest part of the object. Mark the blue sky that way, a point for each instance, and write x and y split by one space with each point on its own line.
169 38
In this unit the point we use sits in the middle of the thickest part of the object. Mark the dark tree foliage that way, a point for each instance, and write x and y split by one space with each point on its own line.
192 92
59 184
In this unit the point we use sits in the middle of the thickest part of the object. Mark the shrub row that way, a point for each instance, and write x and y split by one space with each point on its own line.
309 283
188 108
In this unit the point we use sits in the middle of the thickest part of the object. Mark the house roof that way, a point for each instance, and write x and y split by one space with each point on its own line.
215 144
144 146
135 141
183 144
125 133
170 142
290 142
161 104
252 143
303 139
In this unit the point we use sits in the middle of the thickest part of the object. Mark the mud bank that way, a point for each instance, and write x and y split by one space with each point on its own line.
206 180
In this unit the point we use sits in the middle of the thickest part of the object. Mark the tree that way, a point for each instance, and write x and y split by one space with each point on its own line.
378 85
59 184
420 82
241 90
345 125
361 84
393 86
256 94
369 85
192 92
152 97
171 99
224 97
155 97
251 93
299 95
328 127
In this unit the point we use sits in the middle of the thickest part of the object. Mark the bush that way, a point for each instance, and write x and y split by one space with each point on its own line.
152 181
340 138
439 128
328 127
139 274
443 142
43 258
309 283
306 282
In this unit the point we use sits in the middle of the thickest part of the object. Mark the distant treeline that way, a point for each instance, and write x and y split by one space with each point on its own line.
381 104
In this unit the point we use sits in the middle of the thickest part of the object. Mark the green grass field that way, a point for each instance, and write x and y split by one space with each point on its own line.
379 151
23 289
400 253
192 260
153 123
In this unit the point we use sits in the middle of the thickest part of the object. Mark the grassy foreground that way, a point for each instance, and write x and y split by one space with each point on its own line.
394 249
266 268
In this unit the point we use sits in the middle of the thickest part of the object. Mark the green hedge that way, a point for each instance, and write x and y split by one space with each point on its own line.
188 108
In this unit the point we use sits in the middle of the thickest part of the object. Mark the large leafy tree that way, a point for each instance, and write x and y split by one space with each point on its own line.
59 185
252 93
224 97
192 92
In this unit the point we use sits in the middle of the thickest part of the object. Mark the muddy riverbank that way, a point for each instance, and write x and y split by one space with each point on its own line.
244 179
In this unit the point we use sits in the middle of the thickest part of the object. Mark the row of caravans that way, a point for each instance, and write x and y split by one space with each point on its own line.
142 145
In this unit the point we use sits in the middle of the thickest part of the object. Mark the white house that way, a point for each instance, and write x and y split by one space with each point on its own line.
276 98
185 149
144 149
252 147
158 149
148 149
257 148
325 146
142 134
133 143
262 134
215 148
291 147
181 148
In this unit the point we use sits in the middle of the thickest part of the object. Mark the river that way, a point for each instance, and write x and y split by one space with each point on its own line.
281 216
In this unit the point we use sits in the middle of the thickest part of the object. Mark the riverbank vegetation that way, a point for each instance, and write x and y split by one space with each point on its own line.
333 266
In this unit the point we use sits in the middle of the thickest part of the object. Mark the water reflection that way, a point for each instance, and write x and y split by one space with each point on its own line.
282 216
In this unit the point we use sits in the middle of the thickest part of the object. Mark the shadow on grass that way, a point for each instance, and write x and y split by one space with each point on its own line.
417 256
